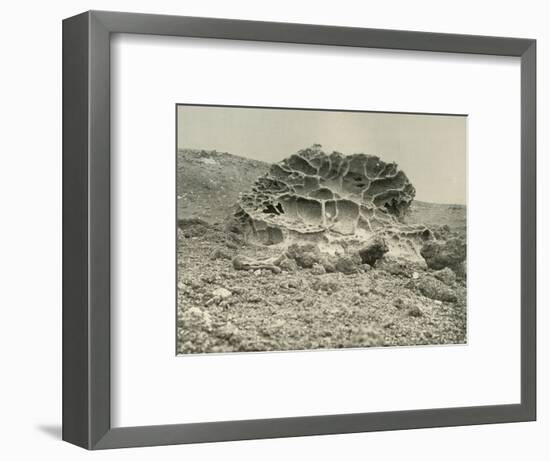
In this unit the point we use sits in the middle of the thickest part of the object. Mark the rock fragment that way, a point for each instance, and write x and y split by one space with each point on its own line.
196 318
446 275
396 265
440 254
347 264
221 293
288 265
219 296
305 255
219 253
373 251
415 311
318 269
433 288
241 262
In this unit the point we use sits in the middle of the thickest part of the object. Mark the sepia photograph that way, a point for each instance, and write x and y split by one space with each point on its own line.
310 229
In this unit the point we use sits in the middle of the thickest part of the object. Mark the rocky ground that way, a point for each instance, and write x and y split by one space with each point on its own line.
306 303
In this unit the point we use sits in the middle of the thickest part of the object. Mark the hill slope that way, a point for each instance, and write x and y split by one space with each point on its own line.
209 182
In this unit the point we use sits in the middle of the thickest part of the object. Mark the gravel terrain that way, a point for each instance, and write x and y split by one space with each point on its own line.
222 308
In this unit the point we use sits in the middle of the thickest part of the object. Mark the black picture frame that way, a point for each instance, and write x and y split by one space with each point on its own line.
86 229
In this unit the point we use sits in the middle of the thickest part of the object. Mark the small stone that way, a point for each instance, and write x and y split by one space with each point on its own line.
328 264
446 275
228 331
415 275
322 284
221 293
208 278
356 300
195 318
399 303
304 255
348 264
415 311
318 269
293 283
257 272
218 253
434 289
254 299
377 292
288 265
396 265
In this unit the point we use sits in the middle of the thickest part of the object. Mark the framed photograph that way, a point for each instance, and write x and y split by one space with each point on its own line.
276 230
319 249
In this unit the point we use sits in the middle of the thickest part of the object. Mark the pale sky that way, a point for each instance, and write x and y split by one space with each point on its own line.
430 149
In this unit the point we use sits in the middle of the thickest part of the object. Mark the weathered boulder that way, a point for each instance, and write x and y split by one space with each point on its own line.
347 264
326 199
433 288
396 265
448 253
312 191
446 275
305 255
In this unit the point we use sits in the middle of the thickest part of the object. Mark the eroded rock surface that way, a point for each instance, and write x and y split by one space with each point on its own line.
329 199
